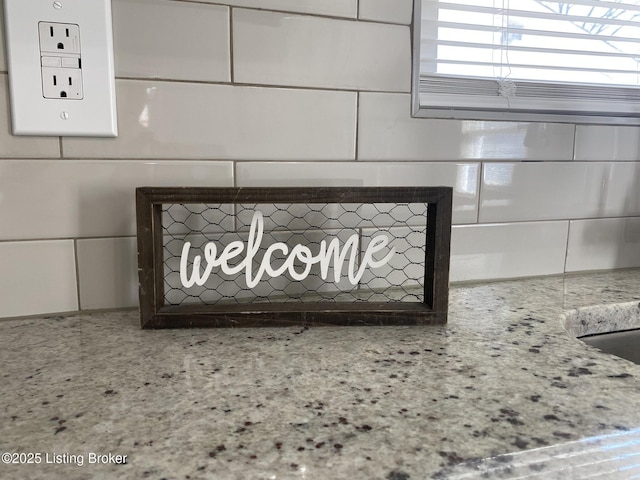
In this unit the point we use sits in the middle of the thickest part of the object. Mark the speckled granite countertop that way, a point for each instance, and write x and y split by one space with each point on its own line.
501 390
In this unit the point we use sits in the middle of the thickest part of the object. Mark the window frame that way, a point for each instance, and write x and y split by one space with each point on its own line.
490 114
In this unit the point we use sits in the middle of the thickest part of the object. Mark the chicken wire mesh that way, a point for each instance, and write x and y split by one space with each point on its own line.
400 279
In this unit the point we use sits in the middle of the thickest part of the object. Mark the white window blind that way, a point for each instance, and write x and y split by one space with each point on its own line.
551 60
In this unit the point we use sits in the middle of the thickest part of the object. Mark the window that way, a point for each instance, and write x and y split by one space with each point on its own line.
548 60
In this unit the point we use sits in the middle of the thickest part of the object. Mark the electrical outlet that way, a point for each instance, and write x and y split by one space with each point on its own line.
59 37
62 83
61 70
61 59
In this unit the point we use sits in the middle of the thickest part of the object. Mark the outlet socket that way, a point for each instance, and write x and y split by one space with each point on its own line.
62 83
61 69
59 38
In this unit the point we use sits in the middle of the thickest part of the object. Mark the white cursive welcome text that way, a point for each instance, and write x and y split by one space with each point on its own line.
328 253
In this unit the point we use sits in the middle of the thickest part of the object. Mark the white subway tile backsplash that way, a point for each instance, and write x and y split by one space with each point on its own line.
559 190
462 176
333 8
185 120
171 40
508 250
37 277
335 78
88 198
607 143
21 146
296 50
392 11
603 244
107 273
386 131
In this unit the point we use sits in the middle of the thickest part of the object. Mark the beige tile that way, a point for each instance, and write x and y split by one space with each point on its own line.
37 277
21 146
182 120
296 50
558 190
607 143
386 131
603 244
107 273
463 177
333 8
172 40
508 250
88 198
392 11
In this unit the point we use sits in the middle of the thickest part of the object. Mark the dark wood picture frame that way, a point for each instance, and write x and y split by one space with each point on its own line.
155 314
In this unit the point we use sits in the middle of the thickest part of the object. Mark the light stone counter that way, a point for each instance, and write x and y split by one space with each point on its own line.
501 390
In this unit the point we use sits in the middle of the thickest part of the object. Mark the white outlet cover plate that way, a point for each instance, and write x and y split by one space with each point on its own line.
31 113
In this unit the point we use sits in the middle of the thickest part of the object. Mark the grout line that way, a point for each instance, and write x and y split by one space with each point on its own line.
70 313
486 224
357 128
64 239
234 173
547 220
231 62
291 160
566 248
296 160
261 85
480 190
140 160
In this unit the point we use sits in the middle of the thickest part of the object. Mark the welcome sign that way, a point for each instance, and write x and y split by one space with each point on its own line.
328 254
226 257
